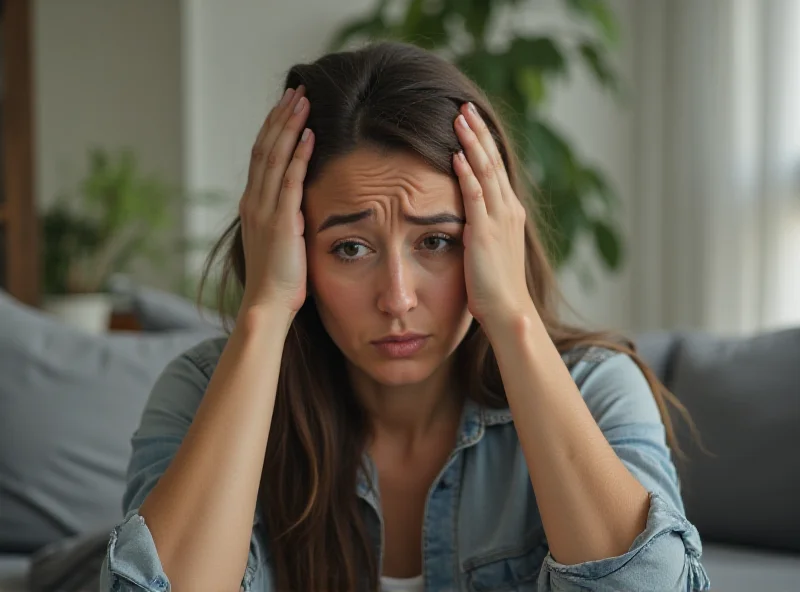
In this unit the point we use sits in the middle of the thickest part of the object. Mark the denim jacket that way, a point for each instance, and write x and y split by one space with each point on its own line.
482 530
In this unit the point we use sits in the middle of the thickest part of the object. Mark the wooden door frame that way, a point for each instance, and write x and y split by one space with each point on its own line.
21 220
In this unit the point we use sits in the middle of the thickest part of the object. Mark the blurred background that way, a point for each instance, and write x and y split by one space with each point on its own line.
668 132
663 136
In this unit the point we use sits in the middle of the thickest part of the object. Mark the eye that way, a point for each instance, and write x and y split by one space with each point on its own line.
349 250
437 243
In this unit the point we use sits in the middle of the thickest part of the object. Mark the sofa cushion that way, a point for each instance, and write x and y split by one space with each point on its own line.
743 569
70 402
744 396
157 310
658 350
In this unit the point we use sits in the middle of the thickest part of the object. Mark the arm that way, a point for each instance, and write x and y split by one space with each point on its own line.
591 505
201 482
200 512
594 505
604 534
193 475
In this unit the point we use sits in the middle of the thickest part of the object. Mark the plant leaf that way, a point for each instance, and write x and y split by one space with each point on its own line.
601 16
608 243
414 14
429 32
487 70
539 53
552 154
531 84
477 18
595 59
593 182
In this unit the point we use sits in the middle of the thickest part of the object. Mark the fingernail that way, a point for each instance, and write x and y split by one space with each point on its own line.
287 97
460 155
300 104
462 121
472 109
306 134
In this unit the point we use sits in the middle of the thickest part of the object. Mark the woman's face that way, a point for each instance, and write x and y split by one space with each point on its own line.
383 236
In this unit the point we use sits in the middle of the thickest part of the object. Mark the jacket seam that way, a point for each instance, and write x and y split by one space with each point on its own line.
199 362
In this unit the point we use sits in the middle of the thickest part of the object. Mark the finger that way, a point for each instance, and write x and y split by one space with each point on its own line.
291 196
480 164
265 149
257 157
281 154
478 125
472 192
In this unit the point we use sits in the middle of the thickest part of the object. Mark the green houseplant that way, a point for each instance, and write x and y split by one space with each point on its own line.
100 230
573 196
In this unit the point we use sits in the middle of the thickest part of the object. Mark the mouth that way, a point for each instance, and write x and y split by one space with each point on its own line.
399 338
401 346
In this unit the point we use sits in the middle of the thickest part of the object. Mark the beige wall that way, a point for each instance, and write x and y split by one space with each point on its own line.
108 73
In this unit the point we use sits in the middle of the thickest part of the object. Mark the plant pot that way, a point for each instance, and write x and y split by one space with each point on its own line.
88 312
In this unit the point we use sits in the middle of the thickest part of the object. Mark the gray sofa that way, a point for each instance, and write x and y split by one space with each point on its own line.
69 403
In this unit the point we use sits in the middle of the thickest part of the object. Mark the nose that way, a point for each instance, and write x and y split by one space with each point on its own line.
398 294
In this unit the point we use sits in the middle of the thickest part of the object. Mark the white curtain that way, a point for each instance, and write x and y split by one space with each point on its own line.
718 201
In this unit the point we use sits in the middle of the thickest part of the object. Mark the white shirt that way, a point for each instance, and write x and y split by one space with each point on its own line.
414 584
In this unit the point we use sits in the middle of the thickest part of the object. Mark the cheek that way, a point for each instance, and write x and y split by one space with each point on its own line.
445 287
339 299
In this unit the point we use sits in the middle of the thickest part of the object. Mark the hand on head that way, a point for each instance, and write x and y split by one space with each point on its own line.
271 220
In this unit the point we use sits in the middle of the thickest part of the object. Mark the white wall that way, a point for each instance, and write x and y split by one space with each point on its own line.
107 72
234 62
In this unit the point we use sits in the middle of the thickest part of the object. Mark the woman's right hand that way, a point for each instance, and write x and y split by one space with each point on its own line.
271 220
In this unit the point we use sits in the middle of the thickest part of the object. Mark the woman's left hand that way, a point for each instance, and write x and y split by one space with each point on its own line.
494 235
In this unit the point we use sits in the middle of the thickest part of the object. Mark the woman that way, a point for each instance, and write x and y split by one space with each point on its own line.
397 406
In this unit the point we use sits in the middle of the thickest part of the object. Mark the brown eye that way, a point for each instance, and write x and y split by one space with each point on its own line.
349 251
437 244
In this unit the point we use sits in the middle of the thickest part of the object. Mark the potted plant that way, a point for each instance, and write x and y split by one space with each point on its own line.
87 237
575 198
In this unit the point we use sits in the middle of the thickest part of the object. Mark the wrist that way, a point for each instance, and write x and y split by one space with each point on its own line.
264 318
512 325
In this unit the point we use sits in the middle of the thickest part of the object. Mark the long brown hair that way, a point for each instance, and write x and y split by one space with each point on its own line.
397 97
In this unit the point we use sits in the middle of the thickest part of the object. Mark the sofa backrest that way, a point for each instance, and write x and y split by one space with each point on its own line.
69 404
743 394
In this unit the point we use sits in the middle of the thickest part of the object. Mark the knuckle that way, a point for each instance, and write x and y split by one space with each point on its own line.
289 182
256 153
477 192
272 160
488 170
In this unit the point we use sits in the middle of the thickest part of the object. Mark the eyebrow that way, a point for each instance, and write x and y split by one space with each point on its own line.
344 219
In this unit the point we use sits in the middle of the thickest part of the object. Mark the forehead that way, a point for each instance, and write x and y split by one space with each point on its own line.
369 174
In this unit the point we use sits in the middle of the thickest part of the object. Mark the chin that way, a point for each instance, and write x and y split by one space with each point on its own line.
398 372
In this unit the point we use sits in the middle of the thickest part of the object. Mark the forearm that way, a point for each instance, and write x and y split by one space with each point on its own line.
200 513
591 506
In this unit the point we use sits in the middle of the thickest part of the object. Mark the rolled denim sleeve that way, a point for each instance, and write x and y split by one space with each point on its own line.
132 563
666 555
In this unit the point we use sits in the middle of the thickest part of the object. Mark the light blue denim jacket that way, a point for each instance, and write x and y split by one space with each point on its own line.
482 530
